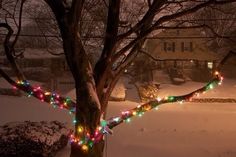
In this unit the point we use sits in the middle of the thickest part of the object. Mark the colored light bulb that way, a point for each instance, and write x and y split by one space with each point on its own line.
80 129
84 148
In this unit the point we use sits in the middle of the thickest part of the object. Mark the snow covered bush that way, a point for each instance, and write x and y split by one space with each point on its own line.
32 139
148 91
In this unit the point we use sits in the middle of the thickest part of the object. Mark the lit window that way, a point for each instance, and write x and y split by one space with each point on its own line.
209 65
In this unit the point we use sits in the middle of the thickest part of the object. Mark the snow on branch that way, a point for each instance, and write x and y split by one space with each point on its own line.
141 109
86 139
49 97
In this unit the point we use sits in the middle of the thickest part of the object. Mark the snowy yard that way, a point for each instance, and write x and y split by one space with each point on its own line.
175 130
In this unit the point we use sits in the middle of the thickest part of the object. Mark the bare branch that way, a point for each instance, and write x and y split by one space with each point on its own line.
19 23
225 59
104 1
7 78
152 11
159 22
9 51
190 11
148 54
75 12
103 66
112 28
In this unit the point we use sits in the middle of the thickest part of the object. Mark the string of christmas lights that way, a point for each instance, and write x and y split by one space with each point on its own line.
141 109
52 98
85 139
105 127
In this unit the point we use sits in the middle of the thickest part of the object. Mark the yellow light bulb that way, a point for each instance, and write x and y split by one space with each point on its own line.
47 93
216 73
80 129
147 108
84 148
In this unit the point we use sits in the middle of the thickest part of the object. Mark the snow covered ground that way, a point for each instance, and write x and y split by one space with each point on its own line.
175 130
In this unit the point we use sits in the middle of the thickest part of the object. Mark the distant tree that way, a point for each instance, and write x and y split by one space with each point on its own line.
221 22
124 24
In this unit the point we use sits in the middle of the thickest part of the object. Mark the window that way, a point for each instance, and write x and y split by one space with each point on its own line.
169 46
210 65
186 46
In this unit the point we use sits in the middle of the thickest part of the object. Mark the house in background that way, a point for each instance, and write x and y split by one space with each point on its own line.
183 49
37 64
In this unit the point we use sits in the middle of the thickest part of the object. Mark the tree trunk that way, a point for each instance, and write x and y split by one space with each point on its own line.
88 105
88 116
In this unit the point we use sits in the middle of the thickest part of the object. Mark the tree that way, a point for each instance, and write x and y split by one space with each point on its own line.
122 39
221 20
